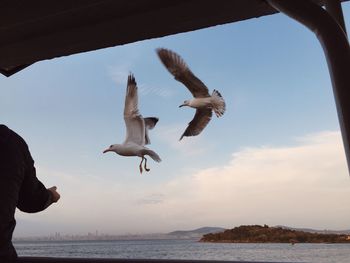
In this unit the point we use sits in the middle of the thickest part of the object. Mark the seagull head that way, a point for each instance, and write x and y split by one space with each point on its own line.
112 148
186 103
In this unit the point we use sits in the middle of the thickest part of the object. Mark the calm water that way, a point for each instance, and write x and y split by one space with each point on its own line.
187 249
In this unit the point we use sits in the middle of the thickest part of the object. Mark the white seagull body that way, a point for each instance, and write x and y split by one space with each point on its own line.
203 102
136 129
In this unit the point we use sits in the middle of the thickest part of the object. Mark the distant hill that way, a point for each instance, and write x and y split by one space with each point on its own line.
196 233
266 234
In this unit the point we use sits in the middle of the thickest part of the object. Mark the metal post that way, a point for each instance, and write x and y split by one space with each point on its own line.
337 51
333 7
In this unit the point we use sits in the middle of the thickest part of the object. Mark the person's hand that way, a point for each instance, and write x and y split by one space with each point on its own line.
55 195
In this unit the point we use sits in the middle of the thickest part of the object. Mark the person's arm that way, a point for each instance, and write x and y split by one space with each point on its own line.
55 196
33 195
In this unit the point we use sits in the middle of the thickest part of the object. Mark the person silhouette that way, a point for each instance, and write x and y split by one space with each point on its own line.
19 187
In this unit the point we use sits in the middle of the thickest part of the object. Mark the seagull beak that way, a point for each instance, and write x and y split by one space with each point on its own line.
107 150
182 105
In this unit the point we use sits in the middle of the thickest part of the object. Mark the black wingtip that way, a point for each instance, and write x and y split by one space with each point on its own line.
151 122
164 54
153 119
218 93
161 49
131 79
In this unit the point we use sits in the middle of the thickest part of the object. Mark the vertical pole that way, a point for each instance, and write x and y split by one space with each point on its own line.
336 47
334 9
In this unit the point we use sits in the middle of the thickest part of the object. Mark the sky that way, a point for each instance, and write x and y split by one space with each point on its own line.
275 157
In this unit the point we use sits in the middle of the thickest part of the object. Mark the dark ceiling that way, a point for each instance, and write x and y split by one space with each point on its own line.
36 30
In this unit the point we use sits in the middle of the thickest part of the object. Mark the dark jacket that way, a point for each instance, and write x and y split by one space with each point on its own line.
19 187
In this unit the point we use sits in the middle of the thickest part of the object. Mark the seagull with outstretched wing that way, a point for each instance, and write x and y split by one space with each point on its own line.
136 129
203 102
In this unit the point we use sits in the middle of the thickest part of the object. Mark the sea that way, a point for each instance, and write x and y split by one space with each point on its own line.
187 249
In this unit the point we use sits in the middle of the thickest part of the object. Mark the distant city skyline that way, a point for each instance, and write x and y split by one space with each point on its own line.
176 234
275 157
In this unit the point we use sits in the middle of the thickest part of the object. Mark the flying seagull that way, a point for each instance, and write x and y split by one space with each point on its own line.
203 102
136 129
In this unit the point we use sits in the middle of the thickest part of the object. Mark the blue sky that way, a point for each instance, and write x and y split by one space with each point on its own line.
278 141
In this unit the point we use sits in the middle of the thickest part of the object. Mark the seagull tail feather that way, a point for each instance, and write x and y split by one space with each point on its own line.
219 105
153 155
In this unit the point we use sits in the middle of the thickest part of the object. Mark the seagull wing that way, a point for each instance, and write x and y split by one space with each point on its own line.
178 68
200 120
150 122
135 124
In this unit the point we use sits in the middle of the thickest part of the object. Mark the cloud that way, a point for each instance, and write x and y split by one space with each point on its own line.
119 74
145 89
303 185
151 199
88 202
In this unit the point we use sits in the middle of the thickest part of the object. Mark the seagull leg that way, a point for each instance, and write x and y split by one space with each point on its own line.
147 169
141 165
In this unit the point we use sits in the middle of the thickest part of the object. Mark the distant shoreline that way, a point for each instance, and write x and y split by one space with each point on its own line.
194 235
266 234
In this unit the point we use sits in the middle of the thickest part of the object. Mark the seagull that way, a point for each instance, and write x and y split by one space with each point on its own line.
136 129
203 102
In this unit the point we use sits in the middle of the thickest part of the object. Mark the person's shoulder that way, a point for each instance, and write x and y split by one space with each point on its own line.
8 134
3 127
4 132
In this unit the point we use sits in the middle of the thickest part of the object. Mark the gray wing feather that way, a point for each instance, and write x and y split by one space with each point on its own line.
199 122
135 124
178 68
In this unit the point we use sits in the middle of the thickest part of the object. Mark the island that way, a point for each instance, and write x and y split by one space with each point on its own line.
266 234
